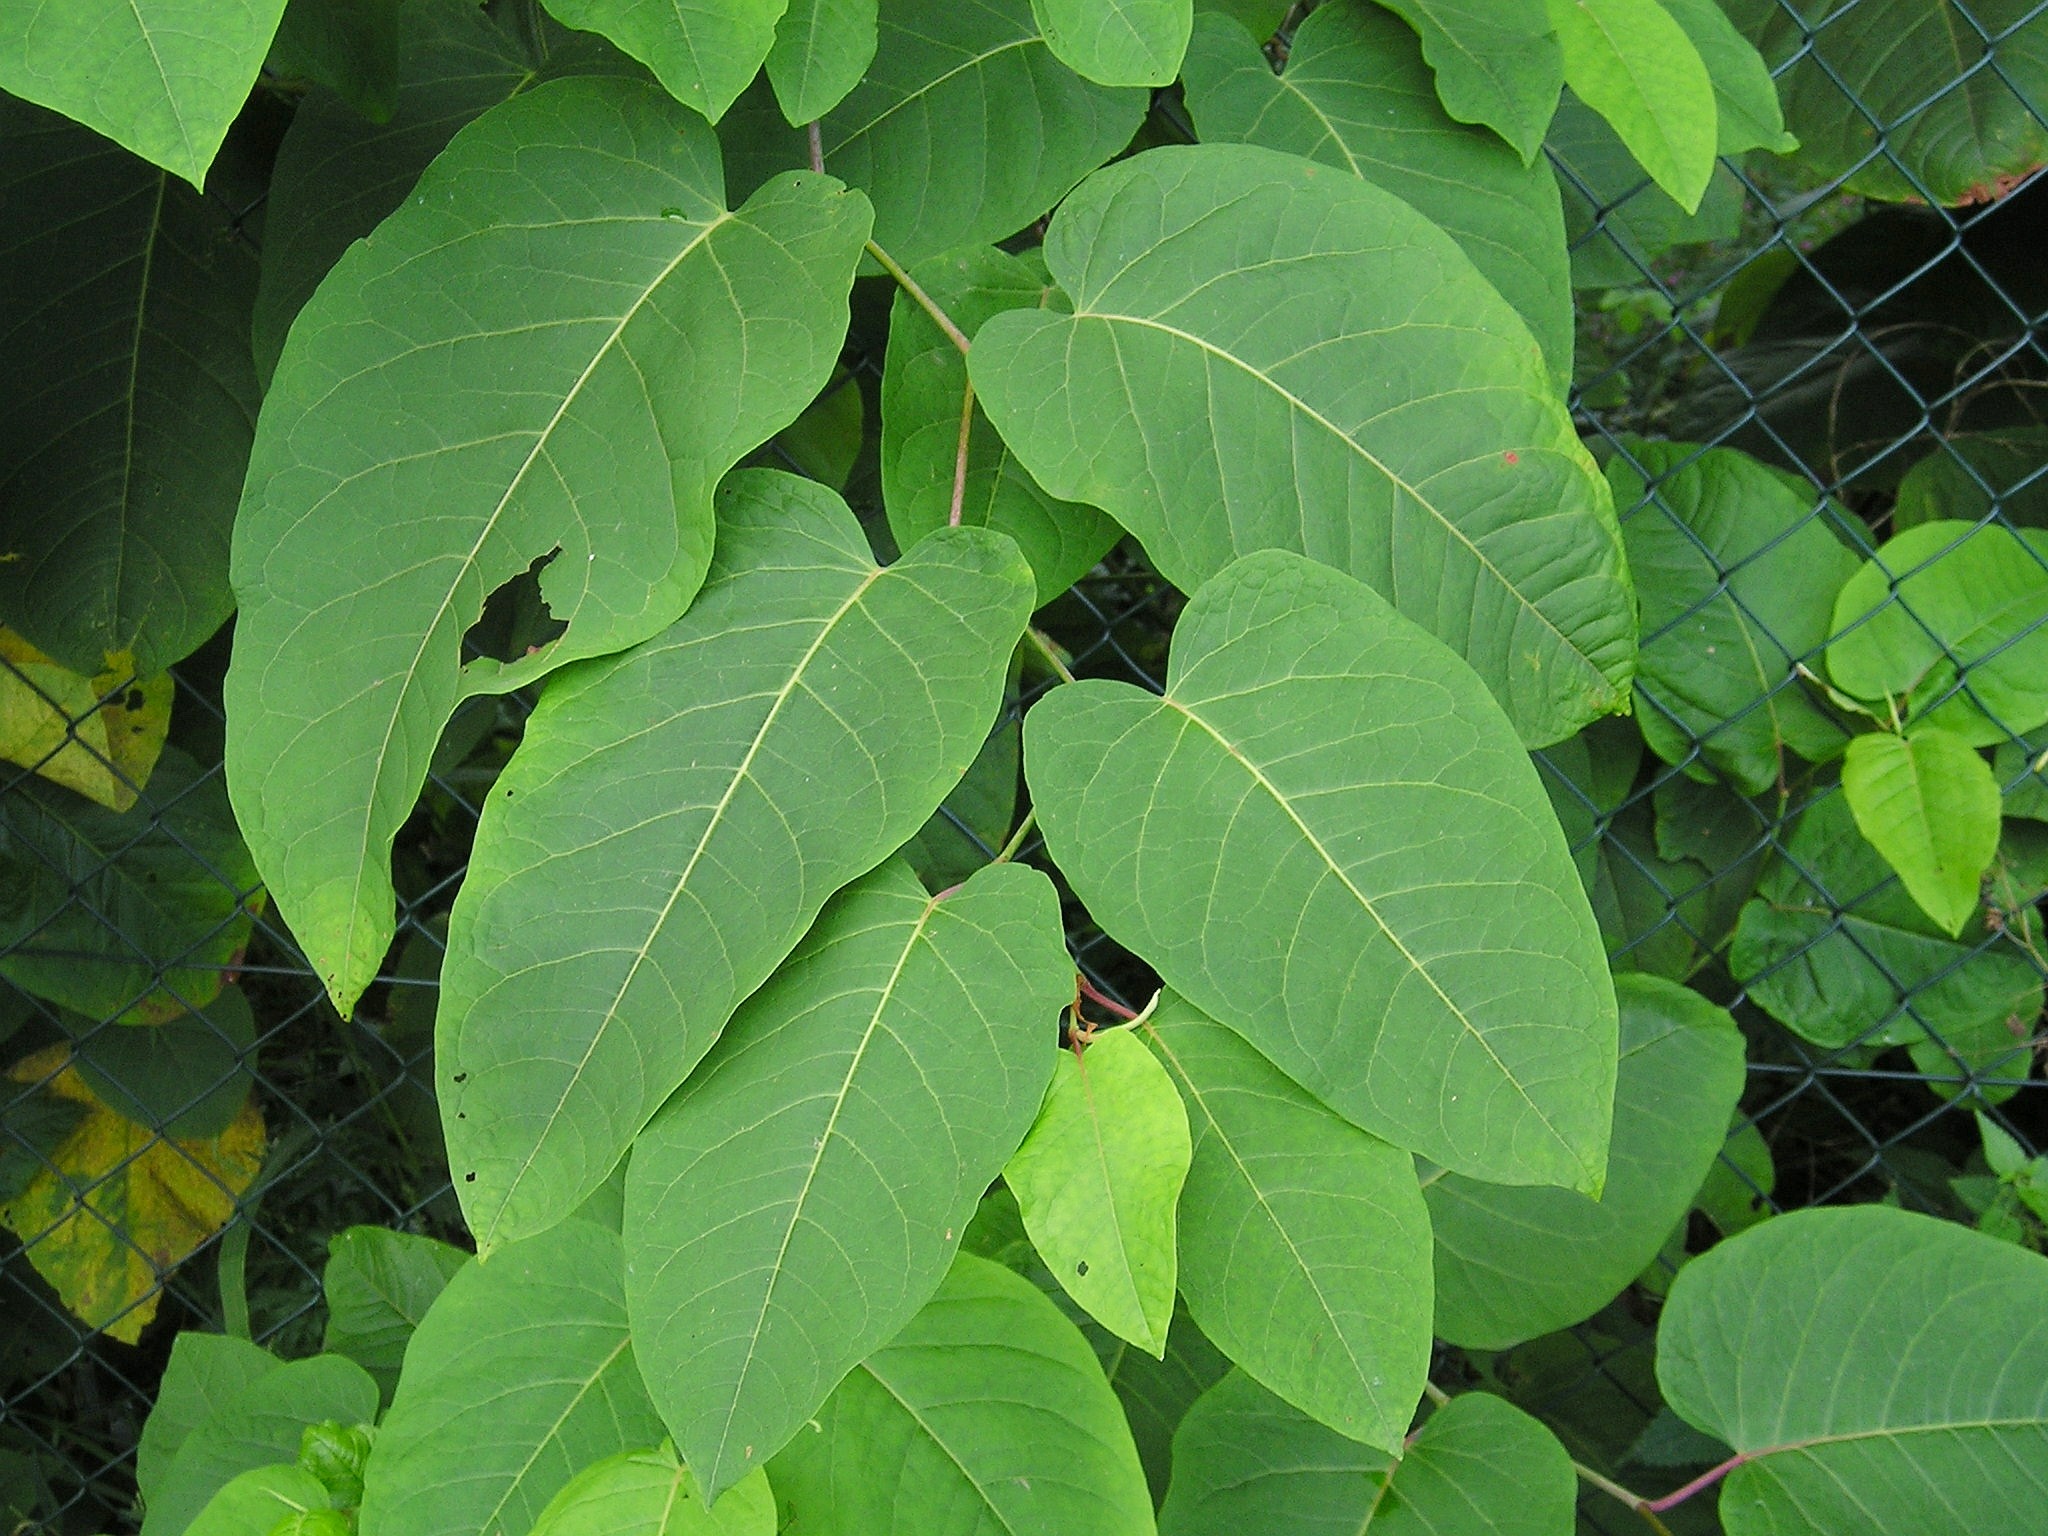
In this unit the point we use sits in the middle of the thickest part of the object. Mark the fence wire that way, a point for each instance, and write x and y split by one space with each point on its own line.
1839 340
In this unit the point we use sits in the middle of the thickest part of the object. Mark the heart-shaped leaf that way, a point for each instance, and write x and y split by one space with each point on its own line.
704 54
822 48
1929 803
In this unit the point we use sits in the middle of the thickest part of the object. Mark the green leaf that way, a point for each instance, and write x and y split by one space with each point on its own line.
186 1077
1097 1181
986 1414
163 78
1497 62
703 53
1413 949
1515 1263
1304 1243
822 48
349 46
1747 114
256 1501
378 1286
255 1427
1208 392
1157 1394
1244 1461
206 1370
1735 570
134 916
1884 1373
1949 622
973 822
520 1375
128 395
1357 95
924 379
792 1207
1973 471
650 1493
677 815
389 396
1631 62
1928 802
1737 1191
1118 42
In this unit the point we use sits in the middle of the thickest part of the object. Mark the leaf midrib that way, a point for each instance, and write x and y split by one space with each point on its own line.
548 1438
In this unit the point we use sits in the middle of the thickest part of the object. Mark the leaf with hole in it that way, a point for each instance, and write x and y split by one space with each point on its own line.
129 398
677 815
1304 1242
1098 1179
1244 368
98 735
1880 1372
1928 802
657 339
1245 1461
520 1375
1497 62
1631 62
163 78
650 1493
702 51
800 1197
1515 1263
1357 95
1948 622
822 48
1415 949
378 1285
988 1413
1118 42
924 381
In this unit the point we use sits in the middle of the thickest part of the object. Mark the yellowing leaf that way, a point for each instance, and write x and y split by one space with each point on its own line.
97 735
121 1207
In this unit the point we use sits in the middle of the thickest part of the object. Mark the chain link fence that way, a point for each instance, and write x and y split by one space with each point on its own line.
1840 340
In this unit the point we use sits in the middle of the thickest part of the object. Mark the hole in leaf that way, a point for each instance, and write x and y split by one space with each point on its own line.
515 621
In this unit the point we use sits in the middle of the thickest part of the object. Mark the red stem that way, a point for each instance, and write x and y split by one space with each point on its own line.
1095 995
1704 1481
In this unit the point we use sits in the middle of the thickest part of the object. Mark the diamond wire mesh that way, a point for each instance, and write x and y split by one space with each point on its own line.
349 1108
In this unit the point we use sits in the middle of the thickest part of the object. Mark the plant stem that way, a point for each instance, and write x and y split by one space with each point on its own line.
1050 653
817 149
1704 1481
925 301
960 456
1102 999
1435 1393
1017 837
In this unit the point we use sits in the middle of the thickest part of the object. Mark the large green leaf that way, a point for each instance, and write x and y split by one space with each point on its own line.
1736 572
924 379
349 46
1304 1243
1245 368
799 1199
205 1370
1497 62
519 1376
1244 1461
186 1077
379 1286
1097 1181
703 51
1929 803
1118 42
1747 114
128 396
678 814
649 1493
164 78
656 339
987 1416
1515 1263
1412 946
1881 1373
1630 61
822 48
1948 622
1157 1394
1357 95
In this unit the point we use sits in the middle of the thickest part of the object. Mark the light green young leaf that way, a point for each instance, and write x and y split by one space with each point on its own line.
703 51
1633 64
1747 114
1949 621
987 1414
205 1371
677 815
798 1200
1097 1181
1929 803
1118 42
924 379
128 395
519 1376
1357 95
256 1501
657 338
1884 1373
1515 1263
1414 949
1304 1243
1244 1461
650 1493
1244 368
379 1284
164 78
1497 62
822 48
